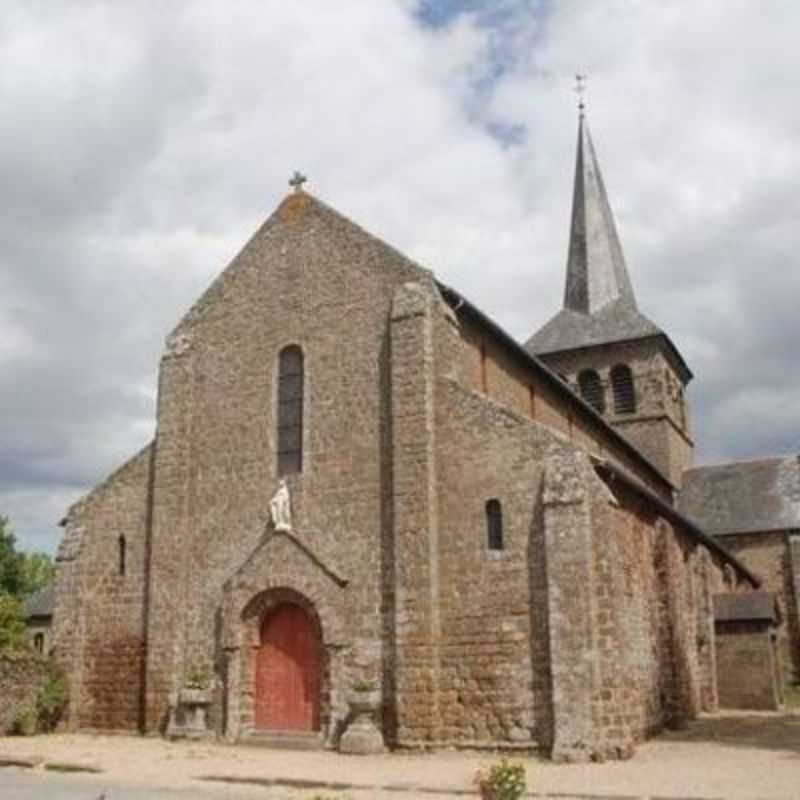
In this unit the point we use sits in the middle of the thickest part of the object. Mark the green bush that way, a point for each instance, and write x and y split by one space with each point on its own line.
51 698
502 781
13 633
42 713
24 722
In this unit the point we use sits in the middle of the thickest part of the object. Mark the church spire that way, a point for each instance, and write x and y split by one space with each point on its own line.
599 304
596 271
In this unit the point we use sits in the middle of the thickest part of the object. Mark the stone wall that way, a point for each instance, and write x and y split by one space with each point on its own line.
488 368
593 627
660 425
99 618
310 278
417 623
748 672
582 633
652 622
495 684
707 571
20 678
772 558
40 633
793 615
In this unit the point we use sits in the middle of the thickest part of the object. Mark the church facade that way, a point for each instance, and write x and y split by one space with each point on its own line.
358 479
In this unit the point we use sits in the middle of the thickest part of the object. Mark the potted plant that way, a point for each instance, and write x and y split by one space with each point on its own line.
196 688
188 715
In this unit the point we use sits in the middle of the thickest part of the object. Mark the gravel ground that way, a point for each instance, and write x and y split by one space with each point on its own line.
748 756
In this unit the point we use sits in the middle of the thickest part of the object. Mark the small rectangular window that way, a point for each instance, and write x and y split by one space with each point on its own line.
122 554
494 524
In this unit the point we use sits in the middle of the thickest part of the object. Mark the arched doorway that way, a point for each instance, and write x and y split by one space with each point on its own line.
288 670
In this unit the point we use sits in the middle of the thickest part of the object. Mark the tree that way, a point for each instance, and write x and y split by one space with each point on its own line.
12 576
13 632
21 574
38 571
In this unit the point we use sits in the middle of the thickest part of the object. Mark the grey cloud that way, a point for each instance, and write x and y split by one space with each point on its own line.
140 146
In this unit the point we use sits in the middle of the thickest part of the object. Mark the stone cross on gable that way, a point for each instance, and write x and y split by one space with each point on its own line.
297 180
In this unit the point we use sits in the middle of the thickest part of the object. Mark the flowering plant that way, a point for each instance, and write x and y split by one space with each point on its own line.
502 781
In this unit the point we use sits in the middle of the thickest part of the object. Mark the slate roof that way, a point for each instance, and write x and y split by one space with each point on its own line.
599 301
612 474
744 496
461 305
568 329
40 604
745 607
596 270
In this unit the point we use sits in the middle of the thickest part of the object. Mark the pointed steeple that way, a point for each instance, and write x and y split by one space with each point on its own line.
601 344
596 271
599 304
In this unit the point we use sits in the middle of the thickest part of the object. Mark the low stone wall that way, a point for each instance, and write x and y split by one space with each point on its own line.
747 667
21 675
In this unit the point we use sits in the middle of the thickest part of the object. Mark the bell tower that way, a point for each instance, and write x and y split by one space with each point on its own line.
619 361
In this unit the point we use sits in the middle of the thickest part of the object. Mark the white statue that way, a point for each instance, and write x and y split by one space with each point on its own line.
280 508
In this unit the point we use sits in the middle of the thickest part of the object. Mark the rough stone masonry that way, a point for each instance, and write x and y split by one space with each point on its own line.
469 536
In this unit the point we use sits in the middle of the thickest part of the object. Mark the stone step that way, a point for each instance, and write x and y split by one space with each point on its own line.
285 740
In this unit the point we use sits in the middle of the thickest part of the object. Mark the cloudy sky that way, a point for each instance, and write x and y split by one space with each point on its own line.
142 142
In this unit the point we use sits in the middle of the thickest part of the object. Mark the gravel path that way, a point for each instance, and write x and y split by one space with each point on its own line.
747 756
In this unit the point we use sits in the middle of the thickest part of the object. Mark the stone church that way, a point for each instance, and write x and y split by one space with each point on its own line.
361 481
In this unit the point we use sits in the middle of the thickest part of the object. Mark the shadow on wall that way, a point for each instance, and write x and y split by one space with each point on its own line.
765 731
388 578
539 631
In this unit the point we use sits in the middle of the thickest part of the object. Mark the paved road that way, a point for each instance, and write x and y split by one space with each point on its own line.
19 784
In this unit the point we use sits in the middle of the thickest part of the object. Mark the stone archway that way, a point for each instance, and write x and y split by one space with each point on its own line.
288 670
281 571
275 647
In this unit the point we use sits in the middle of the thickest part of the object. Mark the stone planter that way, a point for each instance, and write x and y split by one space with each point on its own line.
363 735
188 717
364 702
195 697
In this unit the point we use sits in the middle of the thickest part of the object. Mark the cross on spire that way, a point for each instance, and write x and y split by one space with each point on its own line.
580 90
297 180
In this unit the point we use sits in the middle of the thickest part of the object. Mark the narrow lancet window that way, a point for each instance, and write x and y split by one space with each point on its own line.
494 524
623 388
122 547
290 410
592 390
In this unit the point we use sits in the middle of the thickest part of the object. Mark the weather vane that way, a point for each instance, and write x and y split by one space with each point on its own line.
297 180
580 90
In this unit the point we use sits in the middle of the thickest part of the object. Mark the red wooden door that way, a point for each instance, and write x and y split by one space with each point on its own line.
287 672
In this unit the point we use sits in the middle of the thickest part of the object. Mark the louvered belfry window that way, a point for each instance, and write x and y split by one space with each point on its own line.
592 390
624 390
494 524
290 410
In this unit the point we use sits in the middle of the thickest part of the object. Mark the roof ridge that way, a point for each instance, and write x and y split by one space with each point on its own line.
556 382
282 211
737 462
